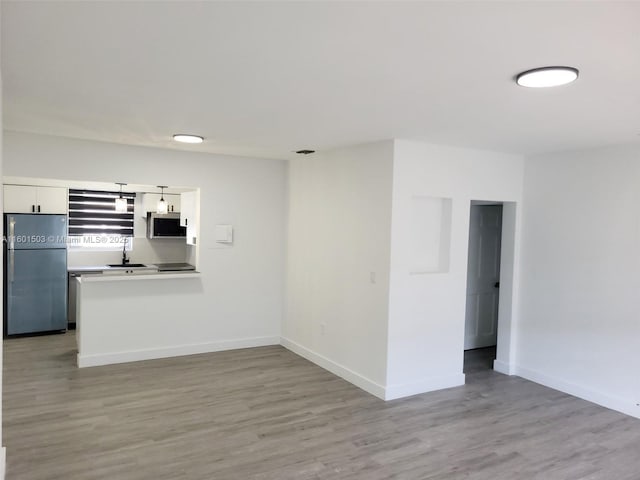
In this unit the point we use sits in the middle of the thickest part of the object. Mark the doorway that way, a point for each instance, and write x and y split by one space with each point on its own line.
483 286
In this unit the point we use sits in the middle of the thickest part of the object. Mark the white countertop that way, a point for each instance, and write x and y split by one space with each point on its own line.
141 275
88 268
106 269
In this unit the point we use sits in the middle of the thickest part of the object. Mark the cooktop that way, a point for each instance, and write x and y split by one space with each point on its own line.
174 267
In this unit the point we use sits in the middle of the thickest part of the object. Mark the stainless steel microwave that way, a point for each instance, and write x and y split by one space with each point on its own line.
165 225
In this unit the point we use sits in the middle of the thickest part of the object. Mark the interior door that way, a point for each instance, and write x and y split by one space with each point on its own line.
483 276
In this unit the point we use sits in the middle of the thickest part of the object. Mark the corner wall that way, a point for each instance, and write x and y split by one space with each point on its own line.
427 304
579 325
338 261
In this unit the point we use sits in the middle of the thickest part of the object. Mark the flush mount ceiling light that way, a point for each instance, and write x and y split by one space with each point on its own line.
162 206
121 203
186 138
544 77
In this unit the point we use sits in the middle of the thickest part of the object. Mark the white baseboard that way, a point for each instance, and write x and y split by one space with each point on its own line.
349 375
502 367
385 393
3 462
153 353
628 407
425 385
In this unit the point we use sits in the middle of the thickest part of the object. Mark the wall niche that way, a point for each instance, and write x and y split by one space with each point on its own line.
430 234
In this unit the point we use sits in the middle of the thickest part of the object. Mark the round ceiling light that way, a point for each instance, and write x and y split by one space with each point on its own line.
547 77
186 138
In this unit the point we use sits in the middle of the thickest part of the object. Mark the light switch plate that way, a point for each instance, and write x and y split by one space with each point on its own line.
224 233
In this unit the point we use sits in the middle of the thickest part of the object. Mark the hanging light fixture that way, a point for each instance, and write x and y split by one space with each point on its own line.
121 203
162 207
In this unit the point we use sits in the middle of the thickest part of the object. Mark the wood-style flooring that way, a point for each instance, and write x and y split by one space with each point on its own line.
267 414
479 359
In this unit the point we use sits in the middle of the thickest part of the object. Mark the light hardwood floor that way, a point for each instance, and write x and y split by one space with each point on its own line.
266 413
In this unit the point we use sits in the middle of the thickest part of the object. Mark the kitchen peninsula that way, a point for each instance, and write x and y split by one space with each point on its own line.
123 317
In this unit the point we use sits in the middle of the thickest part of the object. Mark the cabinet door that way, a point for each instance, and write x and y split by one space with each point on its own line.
52 200
187 204
20 199
189 215
150 202
174 202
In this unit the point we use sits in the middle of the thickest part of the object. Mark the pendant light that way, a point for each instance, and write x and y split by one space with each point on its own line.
162 207
121 203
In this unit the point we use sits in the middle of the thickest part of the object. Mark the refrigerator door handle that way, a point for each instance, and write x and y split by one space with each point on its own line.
12 233
12 264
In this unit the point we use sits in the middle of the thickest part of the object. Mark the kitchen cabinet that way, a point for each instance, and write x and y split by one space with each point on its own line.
150 202
189 215
33 199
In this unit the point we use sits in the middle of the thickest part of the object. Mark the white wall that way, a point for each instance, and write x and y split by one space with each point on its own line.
580 291
427 310
242 285
339 233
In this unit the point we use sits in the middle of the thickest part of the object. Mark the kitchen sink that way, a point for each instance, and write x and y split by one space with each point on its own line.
127 265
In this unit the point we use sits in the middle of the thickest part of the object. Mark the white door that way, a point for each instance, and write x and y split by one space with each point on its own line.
483 276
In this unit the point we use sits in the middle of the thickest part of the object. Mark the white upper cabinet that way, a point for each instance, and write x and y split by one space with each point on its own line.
32 199
150 202
53 199
189 215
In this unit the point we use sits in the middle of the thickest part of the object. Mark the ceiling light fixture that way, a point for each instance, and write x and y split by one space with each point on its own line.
121 203
305 152
544 77
187 138
162 207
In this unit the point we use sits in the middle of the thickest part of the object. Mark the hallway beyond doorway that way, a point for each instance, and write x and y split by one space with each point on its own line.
479 359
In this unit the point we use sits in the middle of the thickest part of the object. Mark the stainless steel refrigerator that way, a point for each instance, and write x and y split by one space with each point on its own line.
35 273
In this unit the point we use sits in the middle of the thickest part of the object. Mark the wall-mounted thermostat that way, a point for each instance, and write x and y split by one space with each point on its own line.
224 233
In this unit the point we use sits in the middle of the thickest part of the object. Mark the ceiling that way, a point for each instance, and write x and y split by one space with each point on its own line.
266 78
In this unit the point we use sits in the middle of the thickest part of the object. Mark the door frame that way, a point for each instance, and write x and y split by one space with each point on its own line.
508 295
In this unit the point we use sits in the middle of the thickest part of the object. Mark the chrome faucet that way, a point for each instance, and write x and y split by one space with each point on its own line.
125 260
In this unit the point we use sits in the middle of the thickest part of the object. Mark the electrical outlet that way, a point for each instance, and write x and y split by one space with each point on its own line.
323 328
372 277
